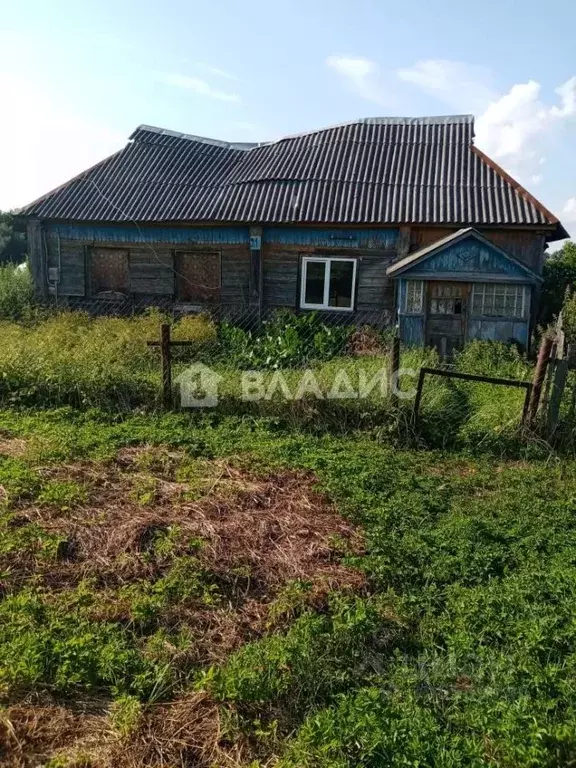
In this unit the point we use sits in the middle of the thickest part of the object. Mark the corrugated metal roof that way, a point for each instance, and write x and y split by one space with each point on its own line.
373 171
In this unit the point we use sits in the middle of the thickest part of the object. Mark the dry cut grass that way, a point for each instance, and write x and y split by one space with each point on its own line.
253 536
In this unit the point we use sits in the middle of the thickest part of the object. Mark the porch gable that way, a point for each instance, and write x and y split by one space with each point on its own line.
464 255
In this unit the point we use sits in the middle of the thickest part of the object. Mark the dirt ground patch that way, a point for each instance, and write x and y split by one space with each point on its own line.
251 537
12 446
254 533
185 732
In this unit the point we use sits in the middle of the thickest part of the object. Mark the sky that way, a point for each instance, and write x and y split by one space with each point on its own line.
76 78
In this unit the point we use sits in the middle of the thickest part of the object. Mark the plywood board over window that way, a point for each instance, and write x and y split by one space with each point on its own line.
198 276
109 270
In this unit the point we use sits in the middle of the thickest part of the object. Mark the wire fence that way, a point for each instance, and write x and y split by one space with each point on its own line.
345 368
238 313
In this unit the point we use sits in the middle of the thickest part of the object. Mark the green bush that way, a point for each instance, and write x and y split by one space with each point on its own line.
492 358
569 318
287 340
16 292
559 274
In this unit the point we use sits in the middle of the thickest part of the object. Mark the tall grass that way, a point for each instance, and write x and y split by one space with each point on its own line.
468 414
73 359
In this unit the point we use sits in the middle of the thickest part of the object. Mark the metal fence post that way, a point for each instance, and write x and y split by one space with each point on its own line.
418 398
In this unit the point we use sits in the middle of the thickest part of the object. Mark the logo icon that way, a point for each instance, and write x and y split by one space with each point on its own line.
199 387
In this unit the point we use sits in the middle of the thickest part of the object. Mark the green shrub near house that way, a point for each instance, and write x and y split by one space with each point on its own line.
16 292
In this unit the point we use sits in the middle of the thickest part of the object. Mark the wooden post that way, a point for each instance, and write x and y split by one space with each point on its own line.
539 378
394 368
166 365
36 256
558 387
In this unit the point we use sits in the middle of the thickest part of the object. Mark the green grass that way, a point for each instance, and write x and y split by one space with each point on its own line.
455 647
71 359
460 650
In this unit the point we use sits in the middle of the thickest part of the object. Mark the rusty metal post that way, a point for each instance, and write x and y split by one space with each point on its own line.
526 404
166 365
394 368
539 378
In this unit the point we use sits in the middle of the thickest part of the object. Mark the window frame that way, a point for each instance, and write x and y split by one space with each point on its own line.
181 253
406 307
480 289
325 307
103 294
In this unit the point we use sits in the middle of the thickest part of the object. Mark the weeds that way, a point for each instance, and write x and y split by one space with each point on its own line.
288 596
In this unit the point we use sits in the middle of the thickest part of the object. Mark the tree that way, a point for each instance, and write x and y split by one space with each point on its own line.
12 240
559 273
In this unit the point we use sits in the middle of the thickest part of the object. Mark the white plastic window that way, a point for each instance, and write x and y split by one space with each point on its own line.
328 283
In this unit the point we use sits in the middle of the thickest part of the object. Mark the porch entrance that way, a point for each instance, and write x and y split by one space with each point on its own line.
446 312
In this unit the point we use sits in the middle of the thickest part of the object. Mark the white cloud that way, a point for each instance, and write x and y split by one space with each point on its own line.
362 76
197 85
217 71
45 144
465 88
569 211
516 128
567 93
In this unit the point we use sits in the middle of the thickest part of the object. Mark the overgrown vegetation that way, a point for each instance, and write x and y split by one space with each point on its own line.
16 293
559 275
281 598
287 340
300 583
69 358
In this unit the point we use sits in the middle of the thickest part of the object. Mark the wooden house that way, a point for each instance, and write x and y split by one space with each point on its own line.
402 219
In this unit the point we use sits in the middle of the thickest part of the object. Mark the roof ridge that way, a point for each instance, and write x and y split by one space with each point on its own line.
463 119
240 145
331 175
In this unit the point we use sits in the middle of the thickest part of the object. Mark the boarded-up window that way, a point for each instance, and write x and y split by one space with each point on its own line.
198 276
109 270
